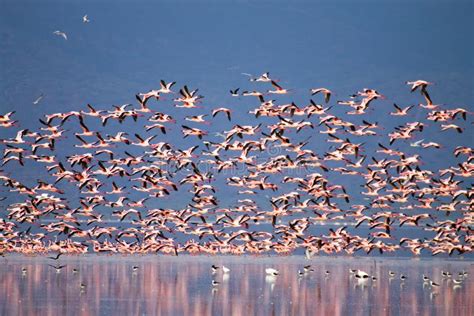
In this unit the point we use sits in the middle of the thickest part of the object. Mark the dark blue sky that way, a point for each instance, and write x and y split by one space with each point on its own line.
129 46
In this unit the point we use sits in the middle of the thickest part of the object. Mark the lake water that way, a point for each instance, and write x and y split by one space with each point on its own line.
126 49
164 285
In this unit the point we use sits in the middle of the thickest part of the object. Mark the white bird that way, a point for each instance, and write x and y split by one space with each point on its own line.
422 84
417 143
59 33
219 134
361 274
271 271
446 274
263 78
457 281
463 274
38 99
85 19
434 284
225 269
324 91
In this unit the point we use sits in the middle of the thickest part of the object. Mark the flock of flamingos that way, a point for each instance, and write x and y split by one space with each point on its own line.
108 194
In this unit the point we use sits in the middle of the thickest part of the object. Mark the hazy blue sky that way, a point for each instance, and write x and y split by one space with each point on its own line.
128 46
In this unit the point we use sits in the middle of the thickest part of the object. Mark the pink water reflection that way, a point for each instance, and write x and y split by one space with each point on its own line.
182 286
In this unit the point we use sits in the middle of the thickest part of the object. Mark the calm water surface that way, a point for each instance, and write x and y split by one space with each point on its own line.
182 286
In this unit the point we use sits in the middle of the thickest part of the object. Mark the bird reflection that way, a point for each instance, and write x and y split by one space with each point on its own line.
225 277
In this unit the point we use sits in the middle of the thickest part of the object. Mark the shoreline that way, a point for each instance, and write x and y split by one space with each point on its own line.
233 258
